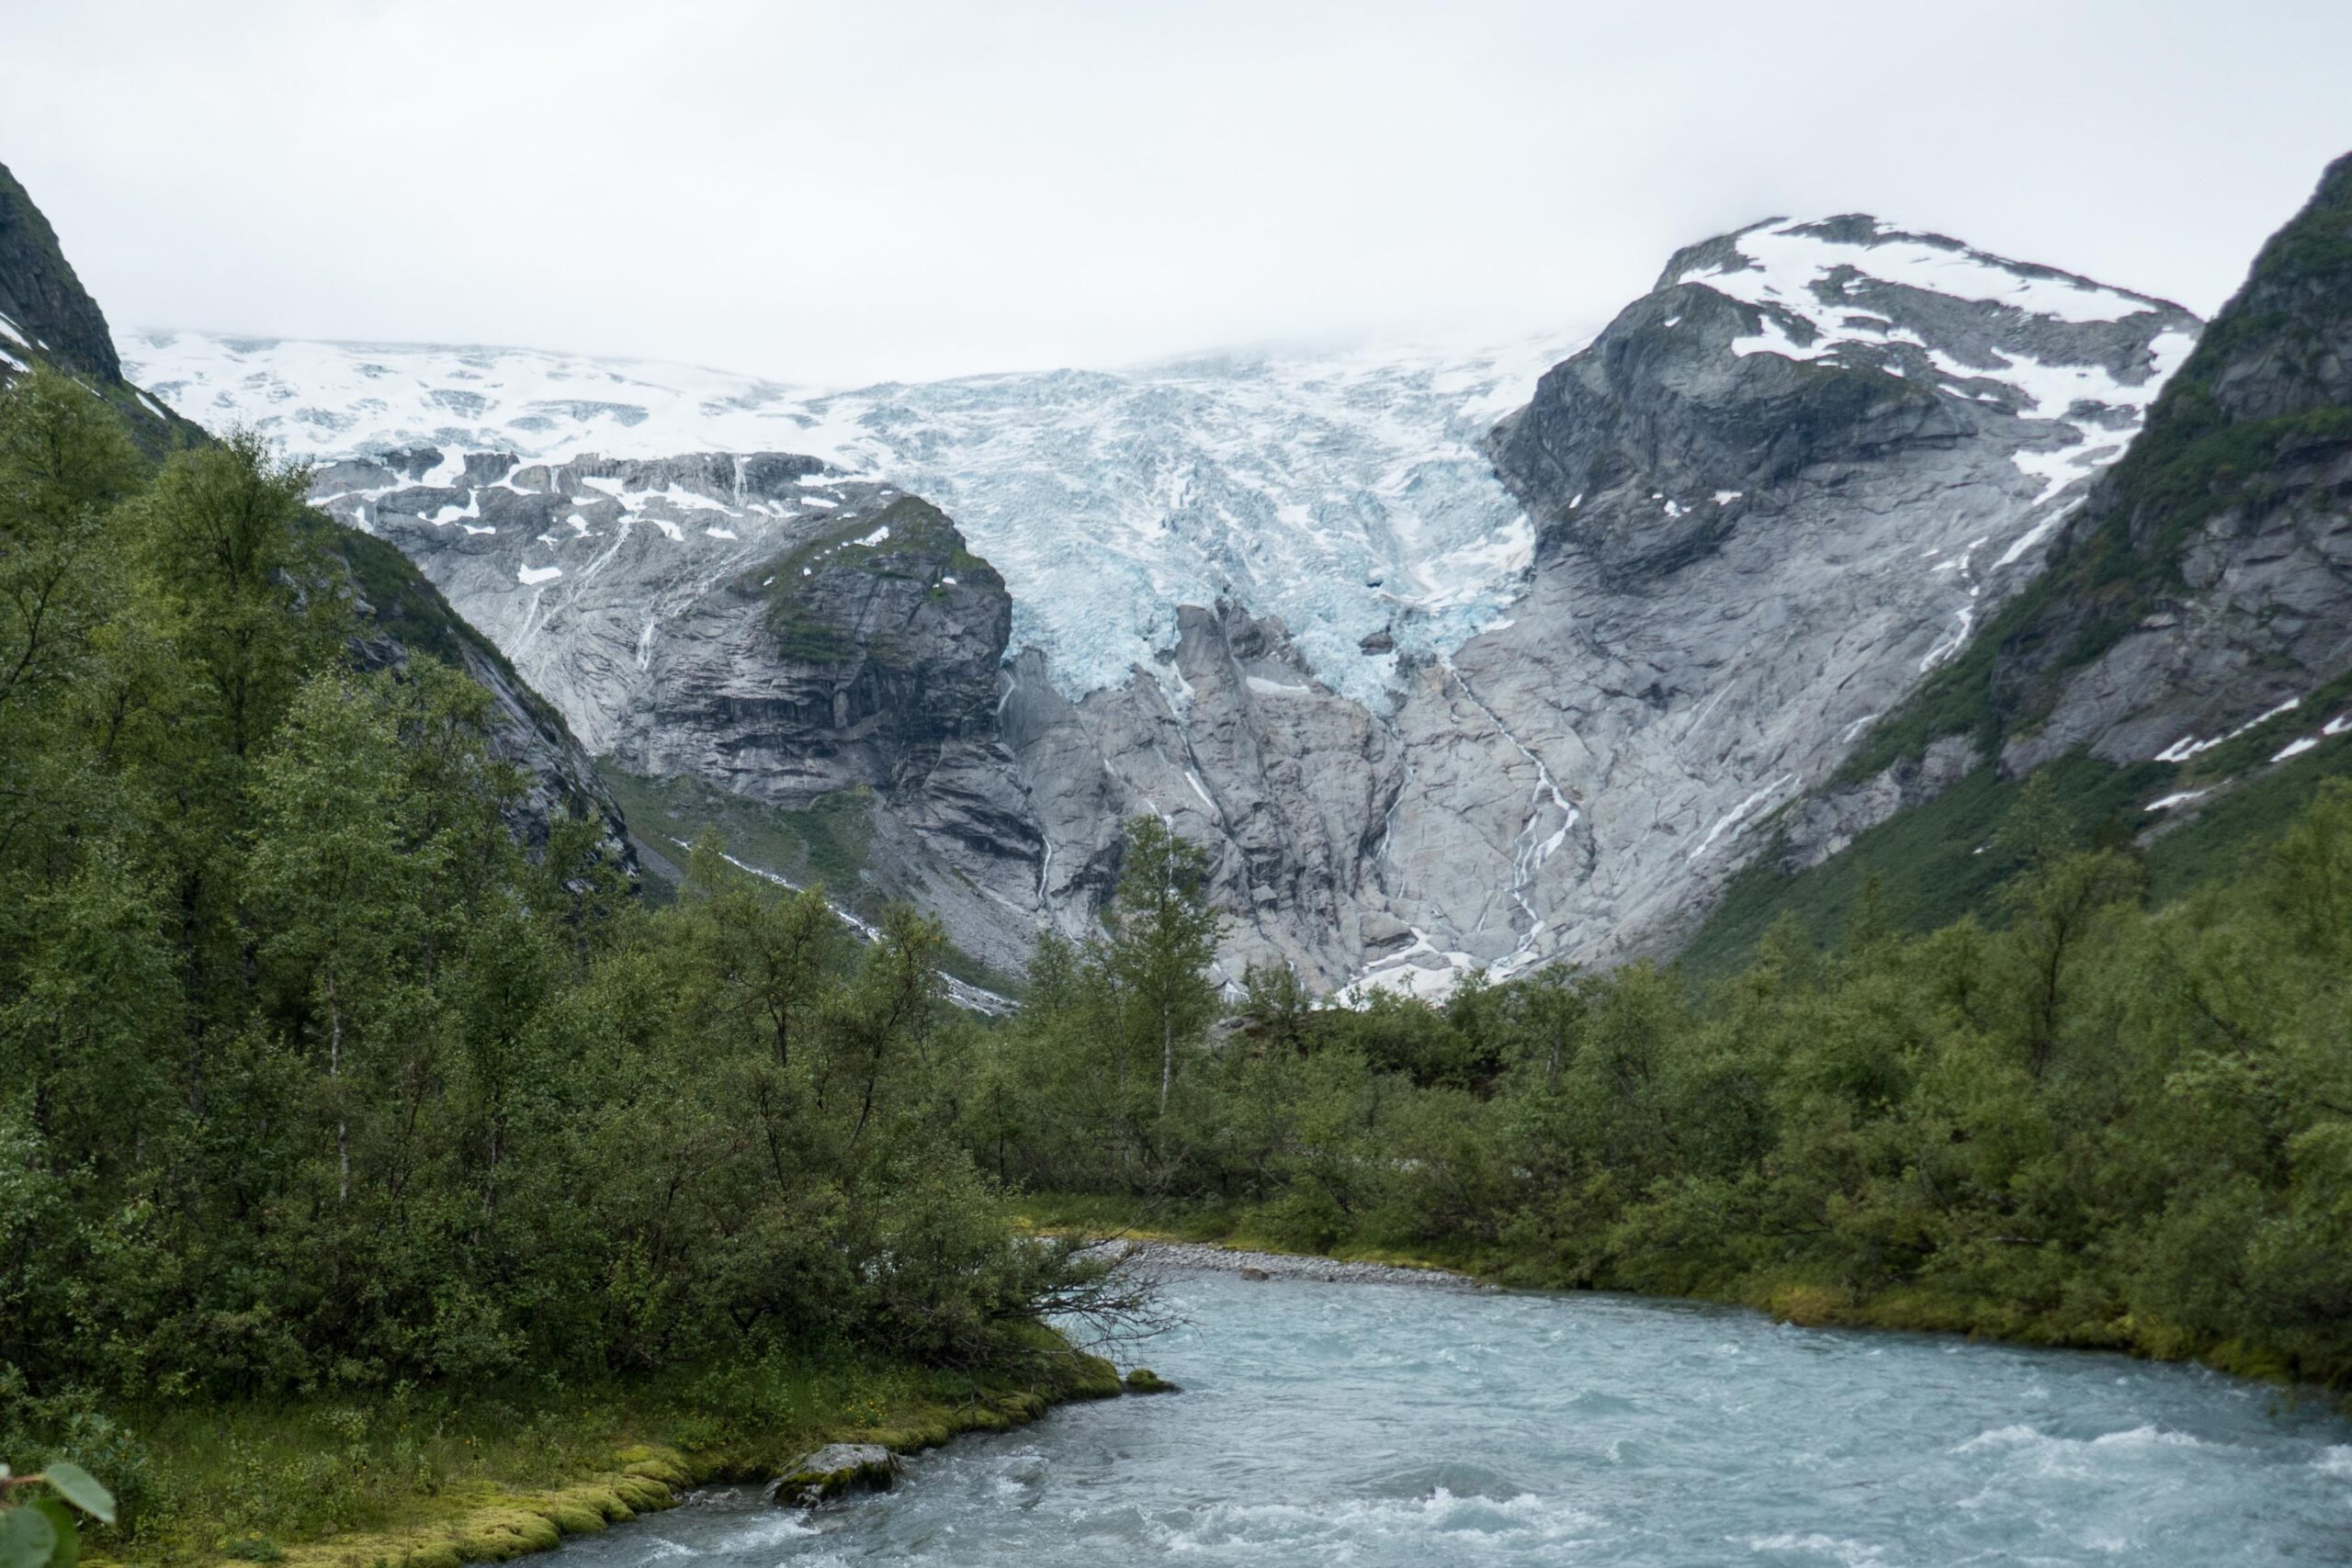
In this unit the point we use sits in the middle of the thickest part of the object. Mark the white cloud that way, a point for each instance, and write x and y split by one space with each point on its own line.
837 192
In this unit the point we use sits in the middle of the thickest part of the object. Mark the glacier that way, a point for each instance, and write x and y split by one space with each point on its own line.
1340 489
1451 659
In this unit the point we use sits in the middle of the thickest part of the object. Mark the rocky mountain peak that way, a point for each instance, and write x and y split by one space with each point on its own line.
44 309
2207 581
1787 353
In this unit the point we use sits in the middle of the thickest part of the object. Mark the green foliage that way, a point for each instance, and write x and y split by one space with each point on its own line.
828 841
39 1531
2064 1116
314 1087
1939 861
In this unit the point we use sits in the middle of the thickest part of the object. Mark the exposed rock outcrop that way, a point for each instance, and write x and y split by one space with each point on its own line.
2207 581
48 317
1770 498
44 309
1821 825
835 1470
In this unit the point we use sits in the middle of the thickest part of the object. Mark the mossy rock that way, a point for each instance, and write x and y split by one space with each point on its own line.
1143 1379
915 1439
663 1464
834 1470
496 1534
667 1471
642 1495
573 1519
1095 1378
1023 1405
440 1554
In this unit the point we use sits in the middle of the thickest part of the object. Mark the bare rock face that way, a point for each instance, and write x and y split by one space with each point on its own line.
2206 581
1232 740
1772 496
44 309
1767 500
1822 824
748 621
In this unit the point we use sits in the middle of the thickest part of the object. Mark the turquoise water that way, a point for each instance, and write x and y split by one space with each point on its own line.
1400 1424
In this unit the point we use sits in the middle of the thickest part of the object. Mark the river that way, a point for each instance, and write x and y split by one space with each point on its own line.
1382 1424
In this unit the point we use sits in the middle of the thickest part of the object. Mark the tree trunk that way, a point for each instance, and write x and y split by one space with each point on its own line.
1166 1054
334 1071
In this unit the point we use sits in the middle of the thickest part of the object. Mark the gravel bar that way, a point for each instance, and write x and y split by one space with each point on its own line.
1207 1257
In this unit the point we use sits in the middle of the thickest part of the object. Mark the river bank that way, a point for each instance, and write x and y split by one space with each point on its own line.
418 1481
1159 1255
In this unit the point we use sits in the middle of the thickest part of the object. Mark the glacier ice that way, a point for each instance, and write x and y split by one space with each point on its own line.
1340 489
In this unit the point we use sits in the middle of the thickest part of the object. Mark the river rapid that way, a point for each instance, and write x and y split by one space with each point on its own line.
1376 1425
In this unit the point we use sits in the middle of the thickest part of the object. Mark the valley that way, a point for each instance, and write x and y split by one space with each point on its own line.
583 939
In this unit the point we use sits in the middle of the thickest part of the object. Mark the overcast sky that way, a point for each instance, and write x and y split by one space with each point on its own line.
842 193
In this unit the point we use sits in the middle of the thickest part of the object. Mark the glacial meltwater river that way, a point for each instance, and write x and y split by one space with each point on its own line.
1408 1425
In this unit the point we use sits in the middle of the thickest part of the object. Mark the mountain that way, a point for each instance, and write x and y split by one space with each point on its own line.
2206 581
1342 490
46 317
1436 694
2182 669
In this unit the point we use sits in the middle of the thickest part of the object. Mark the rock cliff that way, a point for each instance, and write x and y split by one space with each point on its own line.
1771 497
2206 584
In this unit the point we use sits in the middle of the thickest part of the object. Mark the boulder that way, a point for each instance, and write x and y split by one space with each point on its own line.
836 1468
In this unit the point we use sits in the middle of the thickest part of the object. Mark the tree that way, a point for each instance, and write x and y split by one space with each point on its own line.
227 551
1164 936
64 462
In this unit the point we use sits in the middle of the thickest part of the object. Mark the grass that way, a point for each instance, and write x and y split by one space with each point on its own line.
2226 835
1925 861
428 1480
1930 871
826 842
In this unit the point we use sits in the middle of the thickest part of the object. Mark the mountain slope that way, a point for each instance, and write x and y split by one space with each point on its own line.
1423 722
1772 496
2183 669
46 317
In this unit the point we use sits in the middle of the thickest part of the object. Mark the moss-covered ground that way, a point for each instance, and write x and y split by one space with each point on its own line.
430 1481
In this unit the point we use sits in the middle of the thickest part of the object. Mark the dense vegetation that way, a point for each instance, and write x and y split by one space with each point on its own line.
2079 1119
314 1087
